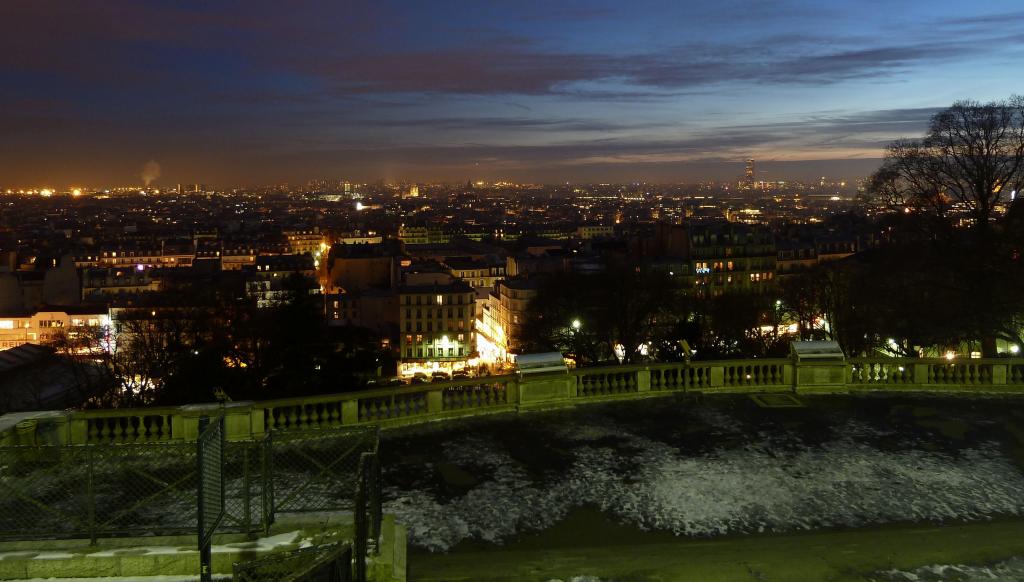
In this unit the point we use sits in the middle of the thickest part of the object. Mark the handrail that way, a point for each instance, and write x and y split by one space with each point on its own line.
389 406
386 391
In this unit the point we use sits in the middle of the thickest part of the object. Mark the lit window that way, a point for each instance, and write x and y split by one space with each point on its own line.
7 324
440 299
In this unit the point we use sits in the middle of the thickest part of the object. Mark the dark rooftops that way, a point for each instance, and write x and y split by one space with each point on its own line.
456 286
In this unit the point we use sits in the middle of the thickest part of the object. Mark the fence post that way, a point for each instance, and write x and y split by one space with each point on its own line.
359 549
246 490
205 551
267 490
375 501
90 494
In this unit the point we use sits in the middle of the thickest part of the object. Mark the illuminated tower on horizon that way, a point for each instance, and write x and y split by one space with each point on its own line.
749 174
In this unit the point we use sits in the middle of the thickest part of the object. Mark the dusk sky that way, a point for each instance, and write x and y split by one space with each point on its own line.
254 92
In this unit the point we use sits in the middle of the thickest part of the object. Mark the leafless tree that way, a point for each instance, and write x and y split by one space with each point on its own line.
973 154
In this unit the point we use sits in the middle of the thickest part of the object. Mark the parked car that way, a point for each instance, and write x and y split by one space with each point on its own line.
460 375
384 382
440 377
419 378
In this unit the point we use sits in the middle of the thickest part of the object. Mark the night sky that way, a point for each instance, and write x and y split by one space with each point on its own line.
254 91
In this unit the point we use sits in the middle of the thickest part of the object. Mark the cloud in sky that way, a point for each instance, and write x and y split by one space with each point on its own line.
259 91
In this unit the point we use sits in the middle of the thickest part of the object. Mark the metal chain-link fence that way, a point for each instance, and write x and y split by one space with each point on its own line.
315 470
151 489
123 490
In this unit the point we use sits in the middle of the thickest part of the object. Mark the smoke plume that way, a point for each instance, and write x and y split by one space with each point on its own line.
150 172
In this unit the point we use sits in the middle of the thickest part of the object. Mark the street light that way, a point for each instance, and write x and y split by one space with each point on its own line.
577 324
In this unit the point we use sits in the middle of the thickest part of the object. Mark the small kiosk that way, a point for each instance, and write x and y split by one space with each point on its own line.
544 380
820 365
545 363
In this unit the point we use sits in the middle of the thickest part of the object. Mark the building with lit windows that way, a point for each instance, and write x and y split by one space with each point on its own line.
304 240
713 258
105 284
41 327
423 234
266 281
235 255
480 275
501 321
728 257
436 327
157 254
591 231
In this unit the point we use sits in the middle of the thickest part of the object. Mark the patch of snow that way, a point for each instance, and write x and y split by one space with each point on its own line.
217 577
774 483
1009 570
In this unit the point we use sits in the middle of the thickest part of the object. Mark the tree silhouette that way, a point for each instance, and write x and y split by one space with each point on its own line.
973 154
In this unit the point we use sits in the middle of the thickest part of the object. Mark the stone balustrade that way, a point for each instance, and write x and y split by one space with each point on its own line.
475 396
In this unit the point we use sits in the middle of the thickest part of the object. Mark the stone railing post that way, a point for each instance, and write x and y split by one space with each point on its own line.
920 373
643 380
257 422
238 417
1000 373
435 401
48 427
822 376
717 378
25 432
350 412
546 390
78 430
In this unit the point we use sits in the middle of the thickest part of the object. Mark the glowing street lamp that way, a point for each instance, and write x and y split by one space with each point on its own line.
577 324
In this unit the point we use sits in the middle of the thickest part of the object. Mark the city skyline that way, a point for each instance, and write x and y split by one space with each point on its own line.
582 92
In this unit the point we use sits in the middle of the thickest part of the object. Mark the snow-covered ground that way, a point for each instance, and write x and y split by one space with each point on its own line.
1010 570
764 480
